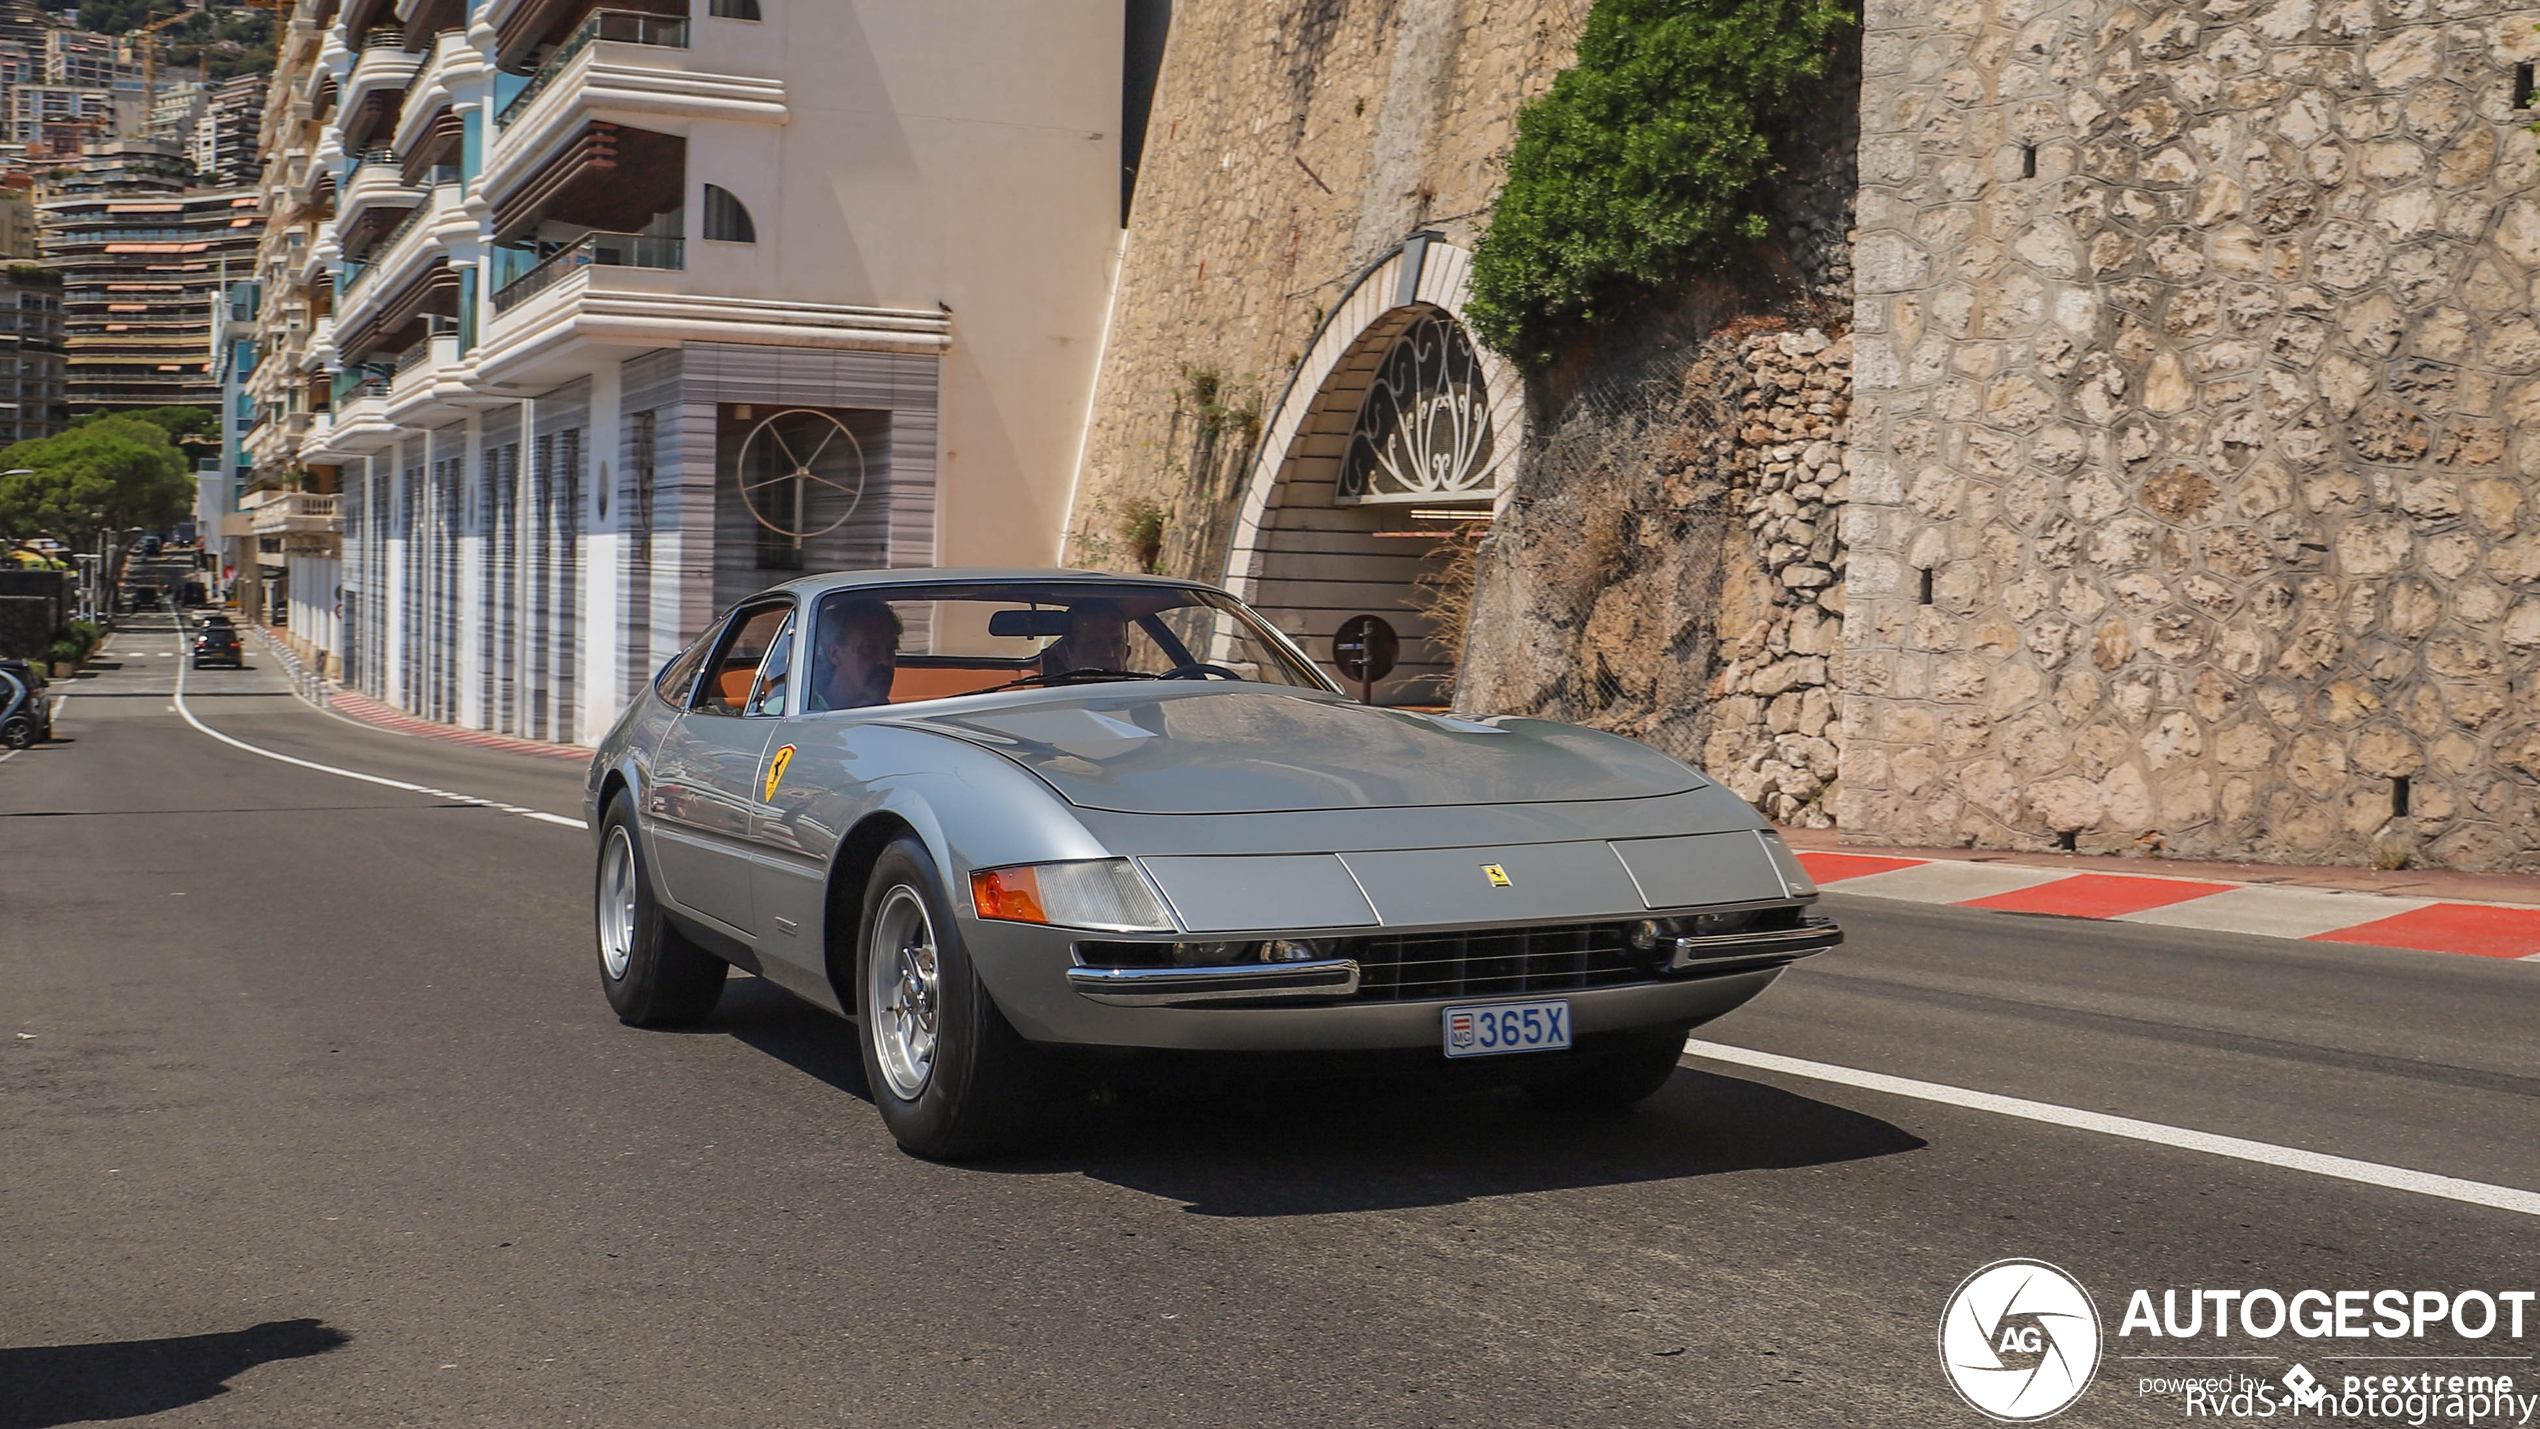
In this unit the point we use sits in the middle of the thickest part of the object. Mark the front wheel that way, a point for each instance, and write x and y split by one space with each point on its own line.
948 1073
653 975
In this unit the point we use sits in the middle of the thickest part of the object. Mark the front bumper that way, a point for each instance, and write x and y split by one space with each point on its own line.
1317 1006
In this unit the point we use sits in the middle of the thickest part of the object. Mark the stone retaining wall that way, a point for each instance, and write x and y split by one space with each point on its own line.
1776 735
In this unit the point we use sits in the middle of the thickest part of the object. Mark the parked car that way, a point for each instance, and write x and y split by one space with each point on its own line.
219 645
26 705
1000 819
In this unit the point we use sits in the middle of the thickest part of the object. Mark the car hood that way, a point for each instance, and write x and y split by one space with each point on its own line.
1217 750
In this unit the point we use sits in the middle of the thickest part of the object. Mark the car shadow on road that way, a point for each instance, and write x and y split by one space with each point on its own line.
46 1385
765 1016
1318 1149
1290 1147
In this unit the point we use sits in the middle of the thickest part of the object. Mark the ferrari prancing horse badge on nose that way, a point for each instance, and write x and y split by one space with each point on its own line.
1497 875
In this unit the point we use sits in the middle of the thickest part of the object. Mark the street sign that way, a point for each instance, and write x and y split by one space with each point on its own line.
1364 649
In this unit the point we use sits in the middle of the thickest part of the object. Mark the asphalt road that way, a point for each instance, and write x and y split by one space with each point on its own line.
312 1113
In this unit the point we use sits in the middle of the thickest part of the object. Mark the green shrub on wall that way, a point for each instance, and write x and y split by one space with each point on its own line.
1644 160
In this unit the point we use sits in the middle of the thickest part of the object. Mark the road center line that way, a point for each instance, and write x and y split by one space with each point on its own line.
540 815
2370 1173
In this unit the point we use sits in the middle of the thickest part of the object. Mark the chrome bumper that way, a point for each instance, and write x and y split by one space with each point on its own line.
1729 949
1187 987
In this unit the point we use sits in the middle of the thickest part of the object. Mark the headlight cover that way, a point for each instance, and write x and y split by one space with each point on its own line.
1099 893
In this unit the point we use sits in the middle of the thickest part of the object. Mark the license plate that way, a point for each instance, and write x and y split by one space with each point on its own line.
1487 1029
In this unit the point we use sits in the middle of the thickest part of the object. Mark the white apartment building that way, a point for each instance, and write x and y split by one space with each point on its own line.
597 319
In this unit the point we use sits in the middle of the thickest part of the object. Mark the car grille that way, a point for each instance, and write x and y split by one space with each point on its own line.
1494 962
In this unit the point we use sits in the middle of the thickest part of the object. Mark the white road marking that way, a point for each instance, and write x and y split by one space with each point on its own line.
540 815
2370 1173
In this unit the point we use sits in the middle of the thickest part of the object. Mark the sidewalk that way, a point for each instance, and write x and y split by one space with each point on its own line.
329 696
2494 915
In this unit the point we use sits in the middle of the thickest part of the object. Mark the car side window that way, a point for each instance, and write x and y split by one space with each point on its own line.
767 694
679 675
733 670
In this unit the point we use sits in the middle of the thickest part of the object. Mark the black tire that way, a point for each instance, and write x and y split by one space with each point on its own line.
1626 1069
659 978
982 1089
18 733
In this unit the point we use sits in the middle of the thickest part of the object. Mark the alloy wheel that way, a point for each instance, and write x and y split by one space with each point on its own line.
617 903
903 992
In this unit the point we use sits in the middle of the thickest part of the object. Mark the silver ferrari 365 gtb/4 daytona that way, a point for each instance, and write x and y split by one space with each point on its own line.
992 816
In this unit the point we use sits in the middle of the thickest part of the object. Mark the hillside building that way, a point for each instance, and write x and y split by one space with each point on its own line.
141 273
224 136
34 402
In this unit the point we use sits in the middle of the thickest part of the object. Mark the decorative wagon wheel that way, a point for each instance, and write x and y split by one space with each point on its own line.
788 446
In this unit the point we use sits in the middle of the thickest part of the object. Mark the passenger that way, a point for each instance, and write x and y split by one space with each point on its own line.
859 651
1097 639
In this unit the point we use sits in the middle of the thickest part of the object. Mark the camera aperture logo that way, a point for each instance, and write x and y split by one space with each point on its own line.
2020 1341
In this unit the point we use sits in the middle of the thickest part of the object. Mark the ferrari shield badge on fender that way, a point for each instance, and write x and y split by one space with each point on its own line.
776 772
1497 875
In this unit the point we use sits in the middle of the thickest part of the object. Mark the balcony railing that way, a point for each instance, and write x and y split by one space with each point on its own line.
632 27
379 251
359 381
607 250
412 358
295 513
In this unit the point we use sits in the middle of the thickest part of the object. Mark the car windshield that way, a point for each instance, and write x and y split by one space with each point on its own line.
900 644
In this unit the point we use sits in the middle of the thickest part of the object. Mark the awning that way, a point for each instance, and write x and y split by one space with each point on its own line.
607 176
393 327
439 145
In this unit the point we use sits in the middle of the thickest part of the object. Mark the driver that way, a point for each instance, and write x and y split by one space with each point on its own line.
1097 639
858 654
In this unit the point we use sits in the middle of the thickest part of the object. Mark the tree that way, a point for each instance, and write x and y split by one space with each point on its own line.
105 474
180 423
1646 161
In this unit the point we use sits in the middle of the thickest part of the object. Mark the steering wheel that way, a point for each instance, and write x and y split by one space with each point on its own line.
1199 671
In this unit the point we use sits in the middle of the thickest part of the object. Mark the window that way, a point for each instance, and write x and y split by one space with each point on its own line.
734 669
897 644
767 696
733 10
726 220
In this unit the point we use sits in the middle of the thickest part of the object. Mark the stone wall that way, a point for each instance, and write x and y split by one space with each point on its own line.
1673 567
2193 496
1291 144
1776 734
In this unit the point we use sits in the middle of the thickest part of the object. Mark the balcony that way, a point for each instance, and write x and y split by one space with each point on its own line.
608 250
293 513
631 27
452 76
618 67
592 295
374 182
400 251
376 89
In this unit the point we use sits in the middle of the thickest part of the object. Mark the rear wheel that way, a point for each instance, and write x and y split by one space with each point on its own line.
654 976
948 1073
1629 1069
18 733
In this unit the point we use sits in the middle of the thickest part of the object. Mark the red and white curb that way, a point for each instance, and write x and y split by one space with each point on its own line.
2487 930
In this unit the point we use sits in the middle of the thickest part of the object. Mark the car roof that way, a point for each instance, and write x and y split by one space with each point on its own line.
977 575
